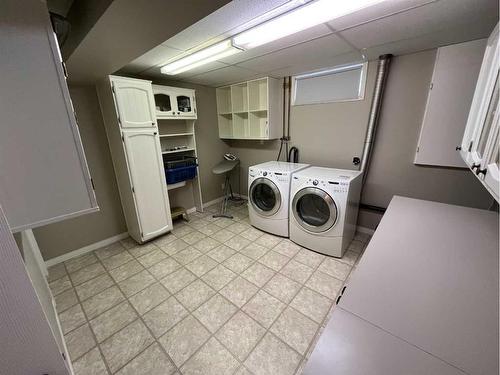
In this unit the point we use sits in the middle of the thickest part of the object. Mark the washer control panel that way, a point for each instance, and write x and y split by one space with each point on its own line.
274 176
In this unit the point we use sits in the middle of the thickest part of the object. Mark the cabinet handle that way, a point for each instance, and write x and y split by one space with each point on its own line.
474 166
153 124
481 171
458 148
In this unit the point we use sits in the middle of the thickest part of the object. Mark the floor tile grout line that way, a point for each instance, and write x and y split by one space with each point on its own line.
239 274
139 317
98 346
327 317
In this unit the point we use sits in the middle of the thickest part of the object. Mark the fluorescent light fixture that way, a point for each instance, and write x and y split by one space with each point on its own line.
202 57
299 19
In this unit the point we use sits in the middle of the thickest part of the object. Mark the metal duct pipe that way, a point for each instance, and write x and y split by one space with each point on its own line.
382 73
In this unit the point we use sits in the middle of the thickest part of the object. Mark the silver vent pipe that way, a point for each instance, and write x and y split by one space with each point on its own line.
382 73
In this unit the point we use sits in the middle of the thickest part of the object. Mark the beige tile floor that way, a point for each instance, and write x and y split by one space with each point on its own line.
215 296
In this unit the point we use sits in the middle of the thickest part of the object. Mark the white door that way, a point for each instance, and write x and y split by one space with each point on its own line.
142 148
135 102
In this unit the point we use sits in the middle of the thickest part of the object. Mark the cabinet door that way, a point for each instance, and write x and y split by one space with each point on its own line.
185 102
489 171
165 104
135 103
44 177
450 95
480 114
148 182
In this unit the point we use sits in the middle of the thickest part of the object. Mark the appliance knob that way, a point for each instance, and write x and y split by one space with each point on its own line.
265 173
315 182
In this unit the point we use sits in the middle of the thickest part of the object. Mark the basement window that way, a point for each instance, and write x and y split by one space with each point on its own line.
338 84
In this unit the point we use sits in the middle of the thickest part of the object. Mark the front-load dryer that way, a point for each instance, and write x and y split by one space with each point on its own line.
324 209
268 195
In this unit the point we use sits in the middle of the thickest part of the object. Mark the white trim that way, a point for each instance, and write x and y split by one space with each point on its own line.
329 71
110 240
365 230
28 239
86 249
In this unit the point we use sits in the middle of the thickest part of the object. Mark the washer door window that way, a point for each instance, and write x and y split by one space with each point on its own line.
314 209
265 196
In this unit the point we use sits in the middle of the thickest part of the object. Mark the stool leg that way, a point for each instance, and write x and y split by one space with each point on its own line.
223 206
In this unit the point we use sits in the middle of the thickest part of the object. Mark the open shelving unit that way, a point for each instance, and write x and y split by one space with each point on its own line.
179 132
250 110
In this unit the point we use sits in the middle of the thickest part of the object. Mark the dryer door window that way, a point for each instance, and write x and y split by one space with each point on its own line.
314 210
265 197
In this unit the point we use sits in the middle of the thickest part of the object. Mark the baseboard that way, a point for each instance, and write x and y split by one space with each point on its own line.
85 249
109 241
365 230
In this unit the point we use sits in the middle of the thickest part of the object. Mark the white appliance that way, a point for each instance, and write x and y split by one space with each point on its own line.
324 209
268 195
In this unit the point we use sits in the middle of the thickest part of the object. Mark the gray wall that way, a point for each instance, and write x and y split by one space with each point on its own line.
392 171
331 134
63 237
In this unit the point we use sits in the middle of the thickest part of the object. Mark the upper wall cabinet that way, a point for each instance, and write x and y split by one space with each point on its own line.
480 144
450 95
134 102
44 176
250 110
174 102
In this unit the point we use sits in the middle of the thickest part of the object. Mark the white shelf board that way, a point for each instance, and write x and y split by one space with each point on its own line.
175 135
177 151
176 185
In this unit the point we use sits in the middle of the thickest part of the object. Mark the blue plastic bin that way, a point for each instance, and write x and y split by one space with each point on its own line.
179 170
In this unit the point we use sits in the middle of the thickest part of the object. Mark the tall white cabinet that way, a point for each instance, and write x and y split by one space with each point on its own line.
128 110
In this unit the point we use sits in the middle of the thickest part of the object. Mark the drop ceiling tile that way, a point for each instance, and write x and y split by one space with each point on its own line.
295 69
475 18
155 71
222 22
155 56
291 40
315 52
224 76
420 43
375 12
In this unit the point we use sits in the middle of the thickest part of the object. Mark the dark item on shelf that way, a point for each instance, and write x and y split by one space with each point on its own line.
180 169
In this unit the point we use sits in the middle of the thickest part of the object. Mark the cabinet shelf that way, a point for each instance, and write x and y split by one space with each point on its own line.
176 186
177 151
250 110
175 135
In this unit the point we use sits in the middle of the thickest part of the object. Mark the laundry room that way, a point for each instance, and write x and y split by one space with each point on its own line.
250 187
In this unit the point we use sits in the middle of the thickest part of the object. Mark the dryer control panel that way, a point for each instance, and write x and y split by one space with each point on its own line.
332 186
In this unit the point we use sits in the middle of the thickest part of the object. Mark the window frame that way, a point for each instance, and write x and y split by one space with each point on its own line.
329 71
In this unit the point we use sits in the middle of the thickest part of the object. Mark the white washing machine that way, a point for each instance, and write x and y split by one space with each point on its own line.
324 209
268 195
